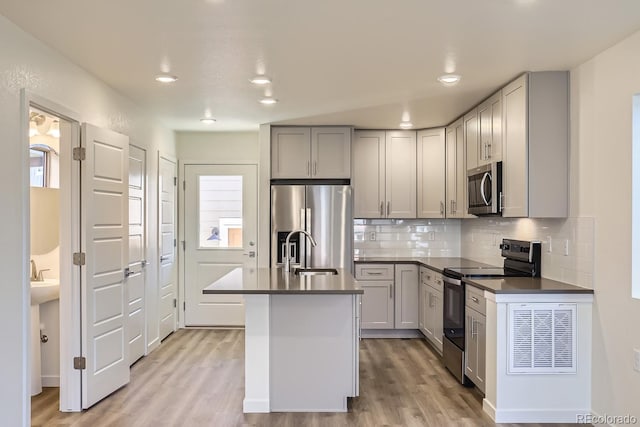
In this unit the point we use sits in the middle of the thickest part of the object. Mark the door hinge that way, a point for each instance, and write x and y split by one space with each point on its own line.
79 258
184 185
184 245
79 153
175 303
79 363
175 180
175 243
184 306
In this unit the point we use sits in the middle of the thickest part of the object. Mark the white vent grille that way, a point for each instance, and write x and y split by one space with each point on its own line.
542 338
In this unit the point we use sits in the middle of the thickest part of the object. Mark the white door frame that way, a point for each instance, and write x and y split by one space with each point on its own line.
181 226
70 324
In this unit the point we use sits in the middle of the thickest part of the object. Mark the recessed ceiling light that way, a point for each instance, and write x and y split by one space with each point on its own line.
449 79
208 120
260 80
268 101
406 125
166 78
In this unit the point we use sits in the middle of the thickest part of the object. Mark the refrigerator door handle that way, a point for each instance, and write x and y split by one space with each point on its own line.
308 248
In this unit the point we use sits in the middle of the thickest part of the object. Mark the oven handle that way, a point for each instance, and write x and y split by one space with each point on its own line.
451 281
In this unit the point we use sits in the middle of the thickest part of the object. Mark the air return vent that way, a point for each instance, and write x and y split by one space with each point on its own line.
542 338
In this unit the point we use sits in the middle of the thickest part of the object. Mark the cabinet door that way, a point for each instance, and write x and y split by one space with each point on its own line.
437 320
481 331
515 183
368 170
290 152
456 177
460 203
377 305
451 176
407 296
490 126
470 347
430 315
431 173
424 310
331 152
471 139
400 174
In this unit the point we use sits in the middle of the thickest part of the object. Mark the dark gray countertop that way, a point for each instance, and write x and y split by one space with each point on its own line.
276 281
435 263
526 285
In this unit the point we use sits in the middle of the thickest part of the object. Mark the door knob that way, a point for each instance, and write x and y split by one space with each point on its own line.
251 254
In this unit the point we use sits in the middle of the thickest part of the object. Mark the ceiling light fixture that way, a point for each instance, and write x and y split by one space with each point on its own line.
406 125
268 101
449 79
208 120
166 78
260 80
54 131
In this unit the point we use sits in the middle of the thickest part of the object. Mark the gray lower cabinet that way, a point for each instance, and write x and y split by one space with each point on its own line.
431 306
391 296
475 337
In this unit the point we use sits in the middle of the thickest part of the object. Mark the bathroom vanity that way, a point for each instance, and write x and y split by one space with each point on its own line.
301 338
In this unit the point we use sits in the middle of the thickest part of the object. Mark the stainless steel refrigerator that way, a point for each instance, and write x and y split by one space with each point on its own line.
322 210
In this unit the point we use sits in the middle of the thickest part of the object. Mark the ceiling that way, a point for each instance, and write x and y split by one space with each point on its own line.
355 62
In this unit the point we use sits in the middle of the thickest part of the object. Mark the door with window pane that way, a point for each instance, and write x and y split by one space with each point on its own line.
221 203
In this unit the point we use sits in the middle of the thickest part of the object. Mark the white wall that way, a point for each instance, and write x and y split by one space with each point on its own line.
601 94
28 63
217 147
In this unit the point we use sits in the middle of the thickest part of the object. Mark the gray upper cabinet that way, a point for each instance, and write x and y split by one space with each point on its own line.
384 174
456 173
490 129
536 145
316 153
431 173
471 138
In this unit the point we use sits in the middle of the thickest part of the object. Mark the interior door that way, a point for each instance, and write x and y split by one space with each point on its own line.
167 275
221 203
105 239
137 252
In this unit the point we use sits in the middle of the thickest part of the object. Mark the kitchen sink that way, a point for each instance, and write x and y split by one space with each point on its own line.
315 271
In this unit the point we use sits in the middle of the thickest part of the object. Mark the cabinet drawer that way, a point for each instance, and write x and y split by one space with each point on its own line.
427 276
374 272
438 282
475 299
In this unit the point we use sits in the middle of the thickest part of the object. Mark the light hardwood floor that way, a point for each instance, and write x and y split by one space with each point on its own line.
196 378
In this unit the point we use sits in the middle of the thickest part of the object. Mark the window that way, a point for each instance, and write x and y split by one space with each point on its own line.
43 166
220 211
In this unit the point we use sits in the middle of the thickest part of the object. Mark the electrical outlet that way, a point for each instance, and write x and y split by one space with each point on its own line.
549 244
636 359
566 247
432 235
372 235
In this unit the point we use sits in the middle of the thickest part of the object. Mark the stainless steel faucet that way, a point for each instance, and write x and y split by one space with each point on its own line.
287 258
34 271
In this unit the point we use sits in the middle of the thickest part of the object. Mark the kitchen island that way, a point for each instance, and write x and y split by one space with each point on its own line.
301 338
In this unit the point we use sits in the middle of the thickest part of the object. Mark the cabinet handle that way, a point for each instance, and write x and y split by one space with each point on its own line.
388 209
308 167
315 168
390 292
488 150
371 273
501 199
430 300
451 207
441 208
455 206
382 209
475 299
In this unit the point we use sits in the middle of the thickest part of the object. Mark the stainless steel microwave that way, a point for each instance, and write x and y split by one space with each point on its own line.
484 186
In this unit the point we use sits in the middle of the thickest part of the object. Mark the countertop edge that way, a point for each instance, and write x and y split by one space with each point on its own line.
283 292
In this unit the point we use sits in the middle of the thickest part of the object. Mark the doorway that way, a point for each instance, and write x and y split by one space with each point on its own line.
220 220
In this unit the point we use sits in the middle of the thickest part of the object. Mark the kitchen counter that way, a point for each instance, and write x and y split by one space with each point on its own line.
526 285
435 263
276 281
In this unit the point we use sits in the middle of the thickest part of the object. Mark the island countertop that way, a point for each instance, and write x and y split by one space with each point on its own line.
276 281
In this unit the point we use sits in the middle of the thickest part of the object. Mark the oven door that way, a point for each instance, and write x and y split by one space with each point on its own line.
453 313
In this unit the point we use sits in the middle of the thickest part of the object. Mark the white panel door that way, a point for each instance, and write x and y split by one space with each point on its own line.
221 203
368 174
136 323
400 173
104 218
168 277
431 173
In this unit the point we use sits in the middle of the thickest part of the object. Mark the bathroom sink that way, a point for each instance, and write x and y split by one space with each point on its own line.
44 291
315 271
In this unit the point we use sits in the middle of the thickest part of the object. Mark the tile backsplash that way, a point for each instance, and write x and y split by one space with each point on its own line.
567 243
406 238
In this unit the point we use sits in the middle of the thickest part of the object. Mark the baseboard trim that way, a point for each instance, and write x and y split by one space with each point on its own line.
489 409
50 381
391 333
256 406
535 416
